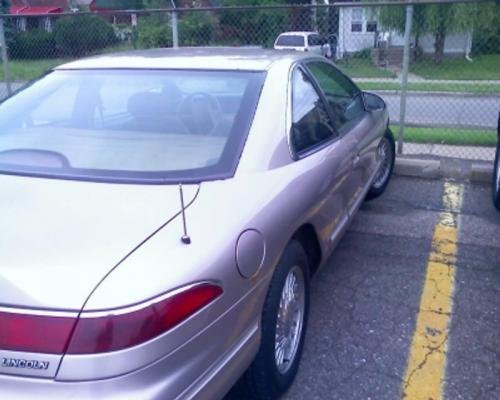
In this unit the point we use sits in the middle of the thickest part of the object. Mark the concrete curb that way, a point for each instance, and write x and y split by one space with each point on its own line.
445 168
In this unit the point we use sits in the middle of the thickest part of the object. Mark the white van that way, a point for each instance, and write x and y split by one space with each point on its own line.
303 41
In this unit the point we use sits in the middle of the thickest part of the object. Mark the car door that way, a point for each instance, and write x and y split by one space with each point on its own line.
315 142
354 124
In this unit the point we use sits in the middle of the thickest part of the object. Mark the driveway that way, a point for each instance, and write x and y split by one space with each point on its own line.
365 302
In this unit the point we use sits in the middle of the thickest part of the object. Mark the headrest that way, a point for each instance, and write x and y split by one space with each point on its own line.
148 104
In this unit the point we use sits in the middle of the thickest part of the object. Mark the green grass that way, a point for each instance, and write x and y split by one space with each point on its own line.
25 70
483 67
466 137
363 68
479 88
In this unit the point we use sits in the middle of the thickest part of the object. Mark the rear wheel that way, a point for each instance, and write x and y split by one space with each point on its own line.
284 319
387 155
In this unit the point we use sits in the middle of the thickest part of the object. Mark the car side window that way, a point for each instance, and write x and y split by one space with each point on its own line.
311 124
314 40
343 96
290 40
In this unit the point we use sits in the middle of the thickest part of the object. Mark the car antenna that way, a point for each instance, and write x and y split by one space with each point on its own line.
185 237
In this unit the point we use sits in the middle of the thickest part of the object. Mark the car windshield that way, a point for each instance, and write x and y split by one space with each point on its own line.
129 125
290 40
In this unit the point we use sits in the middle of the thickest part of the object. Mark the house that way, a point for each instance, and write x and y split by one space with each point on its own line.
360 30
37 14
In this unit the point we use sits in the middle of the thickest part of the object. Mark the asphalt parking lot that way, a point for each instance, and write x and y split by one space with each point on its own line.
366 303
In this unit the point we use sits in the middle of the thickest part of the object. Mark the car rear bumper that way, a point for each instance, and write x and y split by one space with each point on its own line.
171 377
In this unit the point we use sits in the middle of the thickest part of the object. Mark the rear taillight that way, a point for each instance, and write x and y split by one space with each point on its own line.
34 333
116 330
107 330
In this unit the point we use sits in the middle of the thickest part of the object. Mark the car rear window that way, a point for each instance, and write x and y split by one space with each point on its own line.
290 40
129 125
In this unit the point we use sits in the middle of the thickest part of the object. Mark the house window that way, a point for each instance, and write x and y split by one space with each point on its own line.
357 20
371 26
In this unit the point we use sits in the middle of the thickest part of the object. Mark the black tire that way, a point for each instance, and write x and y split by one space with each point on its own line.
380 183
496 178
263 380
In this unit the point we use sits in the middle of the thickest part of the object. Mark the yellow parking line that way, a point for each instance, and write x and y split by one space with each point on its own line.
427 361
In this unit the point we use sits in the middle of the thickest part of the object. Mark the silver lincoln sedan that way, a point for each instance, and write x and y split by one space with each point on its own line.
162 213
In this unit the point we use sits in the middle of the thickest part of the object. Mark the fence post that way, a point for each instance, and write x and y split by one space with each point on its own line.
175 33
404 76
5 61
314 16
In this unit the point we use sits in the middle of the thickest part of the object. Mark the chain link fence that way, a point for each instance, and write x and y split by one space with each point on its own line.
437 65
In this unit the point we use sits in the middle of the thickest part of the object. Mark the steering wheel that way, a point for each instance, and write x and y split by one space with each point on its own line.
201 113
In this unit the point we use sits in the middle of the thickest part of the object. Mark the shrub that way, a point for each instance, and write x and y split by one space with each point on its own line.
77 36
195 29
365 53
486 43
154 31
32 45
486 35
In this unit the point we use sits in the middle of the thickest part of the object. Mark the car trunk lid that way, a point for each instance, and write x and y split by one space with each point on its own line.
58 240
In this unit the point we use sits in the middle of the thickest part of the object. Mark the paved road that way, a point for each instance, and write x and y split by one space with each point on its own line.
446 110
365 301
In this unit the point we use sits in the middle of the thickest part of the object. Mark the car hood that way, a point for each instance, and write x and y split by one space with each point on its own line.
58 238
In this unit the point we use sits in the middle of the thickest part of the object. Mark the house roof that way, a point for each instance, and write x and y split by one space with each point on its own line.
38 7
27 10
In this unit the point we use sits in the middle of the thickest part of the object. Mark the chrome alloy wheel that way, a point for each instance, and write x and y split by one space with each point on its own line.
385 156
290 319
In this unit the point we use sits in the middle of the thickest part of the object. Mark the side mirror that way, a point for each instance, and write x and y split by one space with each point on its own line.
373 102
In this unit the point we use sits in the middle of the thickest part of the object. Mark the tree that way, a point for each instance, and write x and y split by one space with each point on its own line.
4 9
4 6
118 4
250 28
486 38
262 26
438 20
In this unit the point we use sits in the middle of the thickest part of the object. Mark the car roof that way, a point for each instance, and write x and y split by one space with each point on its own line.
206 58
302 33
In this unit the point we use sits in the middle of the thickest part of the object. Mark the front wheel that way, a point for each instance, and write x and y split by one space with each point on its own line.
387 155
284 320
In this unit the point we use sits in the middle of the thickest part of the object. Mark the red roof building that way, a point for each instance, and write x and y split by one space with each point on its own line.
37 14
27 10
38 7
